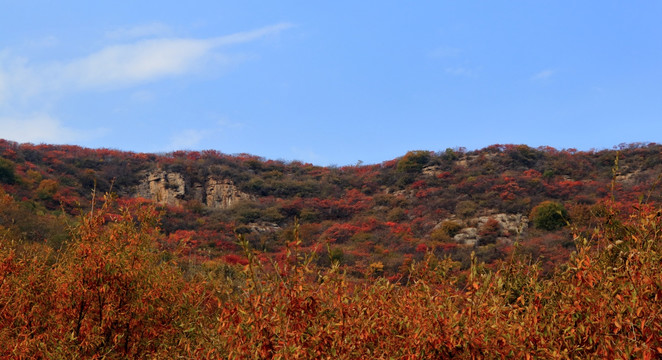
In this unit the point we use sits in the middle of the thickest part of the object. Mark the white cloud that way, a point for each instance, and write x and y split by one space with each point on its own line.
146 60
121 65
139 31
126 65
247 36
29 89
18 80
543 75
38 128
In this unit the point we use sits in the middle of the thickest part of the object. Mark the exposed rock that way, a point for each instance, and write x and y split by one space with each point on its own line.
171 189
163 188
263 227
467 236
197 192
222 194
433 170
627 178
511 225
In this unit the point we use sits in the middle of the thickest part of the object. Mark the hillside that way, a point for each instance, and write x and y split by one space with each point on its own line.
431 255
369 218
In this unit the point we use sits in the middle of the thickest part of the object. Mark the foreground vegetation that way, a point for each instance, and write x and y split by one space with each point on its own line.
119 288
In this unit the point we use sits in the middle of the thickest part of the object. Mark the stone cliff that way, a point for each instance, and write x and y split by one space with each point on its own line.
222 194
163 188
171 188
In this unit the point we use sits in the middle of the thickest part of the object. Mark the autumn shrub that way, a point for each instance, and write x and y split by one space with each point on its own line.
47 189
466 208
549 216
111 293
396 214
413 161
489 232
7 171
604 303
446 231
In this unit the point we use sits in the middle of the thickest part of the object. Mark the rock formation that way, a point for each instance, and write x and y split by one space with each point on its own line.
170 188
222 194
511 225
163 188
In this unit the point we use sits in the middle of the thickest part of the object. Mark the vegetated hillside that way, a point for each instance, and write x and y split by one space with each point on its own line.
89 276
373 220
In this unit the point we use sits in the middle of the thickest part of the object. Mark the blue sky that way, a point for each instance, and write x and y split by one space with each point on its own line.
330 83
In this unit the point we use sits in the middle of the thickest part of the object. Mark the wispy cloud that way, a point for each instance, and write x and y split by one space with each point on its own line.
38 128
127 65
121 65
18 80
29 87
543 75
147 60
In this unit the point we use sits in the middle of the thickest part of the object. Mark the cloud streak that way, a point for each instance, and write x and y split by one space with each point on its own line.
121 65
148 60
543 75
29 89
126 65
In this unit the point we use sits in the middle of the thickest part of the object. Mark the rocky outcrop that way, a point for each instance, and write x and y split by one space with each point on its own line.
222 194
627 177
467 236
510 226
263 227
163 188
170 188
432 170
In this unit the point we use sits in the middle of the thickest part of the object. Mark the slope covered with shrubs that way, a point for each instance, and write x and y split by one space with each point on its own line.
112 291
507 251
452 202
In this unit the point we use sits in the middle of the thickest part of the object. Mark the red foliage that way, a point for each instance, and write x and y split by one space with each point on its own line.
233 259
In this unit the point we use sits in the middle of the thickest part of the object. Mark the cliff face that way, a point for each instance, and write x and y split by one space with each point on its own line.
222 194
163 188
172 189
